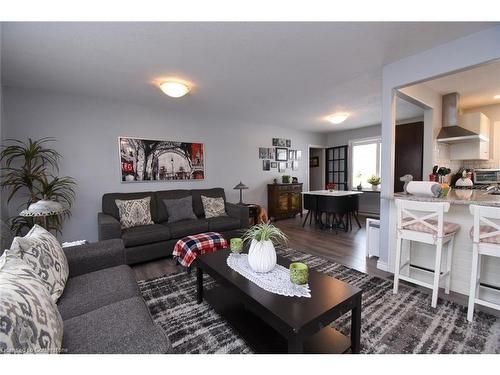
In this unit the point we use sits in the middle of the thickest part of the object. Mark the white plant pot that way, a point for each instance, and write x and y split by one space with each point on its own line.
374 187
262 256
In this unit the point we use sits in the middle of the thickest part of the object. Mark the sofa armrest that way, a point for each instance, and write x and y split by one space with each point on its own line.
108 227
94 256
239 212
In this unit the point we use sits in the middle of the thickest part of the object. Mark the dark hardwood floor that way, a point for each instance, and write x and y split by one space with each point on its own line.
344 248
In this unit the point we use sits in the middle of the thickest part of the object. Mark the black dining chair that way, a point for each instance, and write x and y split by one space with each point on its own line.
311 205
335 207
353 209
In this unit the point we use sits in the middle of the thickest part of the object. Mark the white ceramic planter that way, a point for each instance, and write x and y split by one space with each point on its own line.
262 256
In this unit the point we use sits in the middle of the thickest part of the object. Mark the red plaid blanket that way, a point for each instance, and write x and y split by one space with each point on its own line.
187 248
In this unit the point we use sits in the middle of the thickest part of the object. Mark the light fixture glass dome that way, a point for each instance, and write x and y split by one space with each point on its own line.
337 118
174 89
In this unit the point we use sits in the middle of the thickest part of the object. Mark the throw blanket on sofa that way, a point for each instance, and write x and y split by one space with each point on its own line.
187 248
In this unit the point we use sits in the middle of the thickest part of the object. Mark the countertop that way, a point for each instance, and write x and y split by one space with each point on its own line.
457 196
335 193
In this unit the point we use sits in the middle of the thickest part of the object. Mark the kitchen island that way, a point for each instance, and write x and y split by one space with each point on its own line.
423 255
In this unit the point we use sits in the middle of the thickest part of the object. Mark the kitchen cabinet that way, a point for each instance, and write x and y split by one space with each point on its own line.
284 200
478 123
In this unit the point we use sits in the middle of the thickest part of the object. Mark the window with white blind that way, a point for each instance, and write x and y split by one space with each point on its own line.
365 160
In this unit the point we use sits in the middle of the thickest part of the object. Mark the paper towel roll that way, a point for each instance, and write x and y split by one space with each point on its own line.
424 188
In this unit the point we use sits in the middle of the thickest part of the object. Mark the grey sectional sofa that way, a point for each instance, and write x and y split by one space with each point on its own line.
102 308
150 242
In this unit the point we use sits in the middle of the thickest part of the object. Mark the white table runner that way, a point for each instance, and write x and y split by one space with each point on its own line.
276 281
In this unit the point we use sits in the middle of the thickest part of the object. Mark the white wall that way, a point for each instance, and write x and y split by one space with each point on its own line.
343 137
87 130
459 54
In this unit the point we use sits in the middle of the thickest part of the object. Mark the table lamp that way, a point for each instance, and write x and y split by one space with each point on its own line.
241 186
43 208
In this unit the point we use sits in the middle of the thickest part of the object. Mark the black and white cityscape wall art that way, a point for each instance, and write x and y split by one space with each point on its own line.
281 154
157 160
280 142
266 165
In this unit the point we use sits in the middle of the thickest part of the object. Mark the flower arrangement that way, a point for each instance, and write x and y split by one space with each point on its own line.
330 186
374 180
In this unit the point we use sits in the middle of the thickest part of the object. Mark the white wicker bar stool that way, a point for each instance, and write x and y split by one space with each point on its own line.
485 235
424 222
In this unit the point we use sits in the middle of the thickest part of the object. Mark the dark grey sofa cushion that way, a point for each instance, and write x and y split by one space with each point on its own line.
168 194
109 206
145 234
179 209
93 290
94 256
187 227
122 327
223 223
197 203
143 253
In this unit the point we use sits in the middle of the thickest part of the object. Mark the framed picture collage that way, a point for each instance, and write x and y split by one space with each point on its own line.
280 157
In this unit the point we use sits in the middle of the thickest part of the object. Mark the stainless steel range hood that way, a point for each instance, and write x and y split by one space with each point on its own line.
451 132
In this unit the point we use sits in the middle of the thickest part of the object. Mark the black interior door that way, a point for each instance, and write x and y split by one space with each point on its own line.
409 153
336 166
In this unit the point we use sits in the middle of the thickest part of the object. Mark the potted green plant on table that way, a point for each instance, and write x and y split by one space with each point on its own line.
28 172
262 254
374 181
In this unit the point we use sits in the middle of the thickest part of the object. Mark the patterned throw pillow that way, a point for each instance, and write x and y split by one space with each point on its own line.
29 319
43 252
134 212
213 207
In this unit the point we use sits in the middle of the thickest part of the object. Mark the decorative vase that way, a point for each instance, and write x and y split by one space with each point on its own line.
236 245
359 187
299 273
262 256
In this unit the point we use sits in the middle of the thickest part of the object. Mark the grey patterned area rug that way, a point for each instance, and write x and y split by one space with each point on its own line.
402 323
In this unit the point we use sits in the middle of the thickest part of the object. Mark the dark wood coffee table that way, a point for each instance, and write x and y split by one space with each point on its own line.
272 323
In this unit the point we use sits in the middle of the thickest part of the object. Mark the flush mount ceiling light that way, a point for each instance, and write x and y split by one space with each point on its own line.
337 118
174 89
496 97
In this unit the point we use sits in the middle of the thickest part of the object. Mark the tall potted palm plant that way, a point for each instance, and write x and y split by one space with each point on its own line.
28 172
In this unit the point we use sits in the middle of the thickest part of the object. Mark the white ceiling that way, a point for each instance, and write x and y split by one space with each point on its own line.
287 74
476 87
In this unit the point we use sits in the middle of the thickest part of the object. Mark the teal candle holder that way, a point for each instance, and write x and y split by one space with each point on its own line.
299 273
236 245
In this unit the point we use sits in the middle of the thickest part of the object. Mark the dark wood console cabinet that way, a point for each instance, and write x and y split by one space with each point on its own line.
284 200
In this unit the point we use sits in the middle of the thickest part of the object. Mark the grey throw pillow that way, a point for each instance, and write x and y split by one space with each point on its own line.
179 209
134 212
30 320
213 207
44 254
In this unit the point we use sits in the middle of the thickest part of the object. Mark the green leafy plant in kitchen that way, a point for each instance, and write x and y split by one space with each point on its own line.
285 179
374 180
28 171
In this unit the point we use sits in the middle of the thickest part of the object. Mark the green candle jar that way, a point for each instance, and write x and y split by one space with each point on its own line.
299 273
236 245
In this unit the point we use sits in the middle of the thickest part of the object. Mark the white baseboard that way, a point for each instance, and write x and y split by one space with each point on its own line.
382 266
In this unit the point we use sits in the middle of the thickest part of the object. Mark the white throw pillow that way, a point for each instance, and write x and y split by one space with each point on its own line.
44 254
29 320
213 207
134 212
